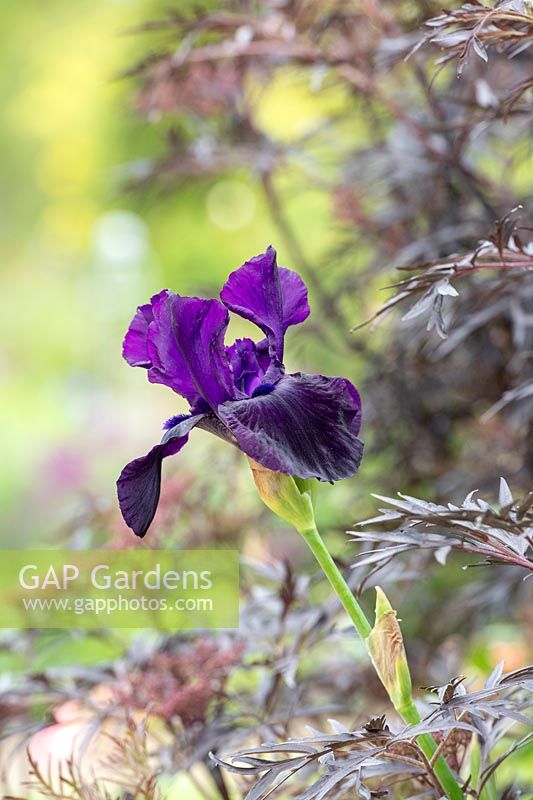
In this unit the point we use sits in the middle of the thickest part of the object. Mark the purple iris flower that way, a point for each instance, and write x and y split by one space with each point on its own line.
303 425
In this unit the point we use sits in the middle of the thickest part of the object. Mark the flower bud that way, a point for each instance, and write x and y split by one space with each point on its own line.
385 646
288 497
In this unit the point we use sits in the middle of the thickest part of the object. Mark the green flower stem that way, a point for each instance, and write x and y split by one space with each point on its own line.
333 574
427 744
409 712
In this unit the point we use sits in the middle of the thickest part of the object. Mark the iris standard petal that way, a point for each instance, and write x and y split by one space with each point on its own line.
186 348
199 327
306 426
139 483
135 345
294 297
168 365
270 297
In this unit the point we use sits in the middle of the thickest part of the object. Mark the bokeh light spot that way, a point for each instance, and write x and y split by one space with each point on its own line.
121 238
230 205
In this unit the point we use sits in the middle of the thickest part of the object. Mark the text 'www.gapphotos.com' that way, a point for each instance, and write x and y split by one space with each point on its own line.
111 605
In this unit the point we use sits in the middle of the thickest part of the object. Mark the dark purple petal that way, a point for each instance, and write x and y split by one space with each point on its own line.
294 296
270 297
199 329
135 345
186 347
139 483
168 366
248 364
306 426
355 424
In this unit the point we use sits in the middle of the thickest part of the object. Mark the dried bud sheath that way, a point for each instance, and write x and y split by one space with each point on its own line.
386 649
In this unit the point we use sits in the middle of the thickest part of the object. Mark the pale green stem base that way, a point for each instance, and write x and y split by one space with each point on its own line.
427 744
409 713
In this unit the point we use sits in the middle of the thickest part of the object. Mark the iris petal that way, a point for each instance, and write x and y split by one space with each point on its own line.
139 483
135 345
168 366
306 426
139 486
294 296
248 364
186 347
271 297
199 329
